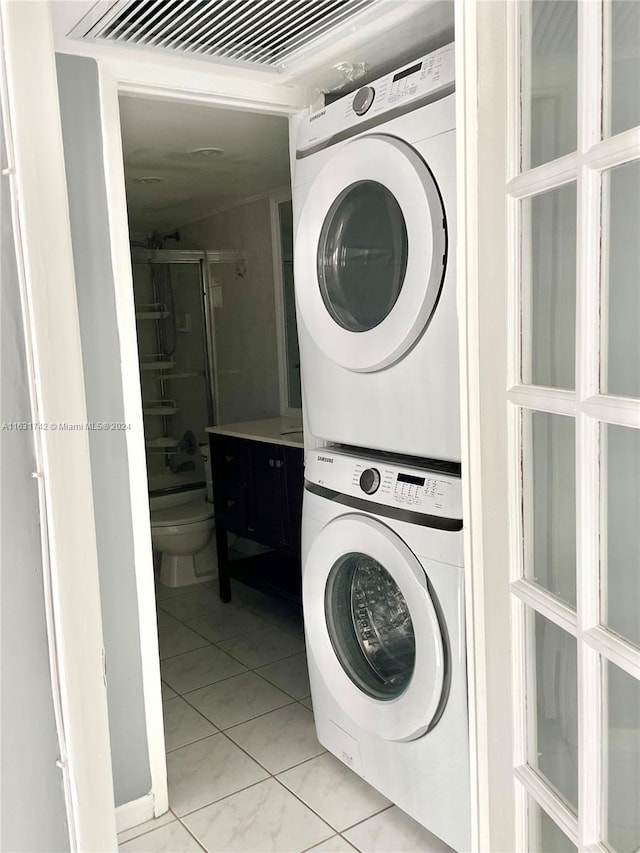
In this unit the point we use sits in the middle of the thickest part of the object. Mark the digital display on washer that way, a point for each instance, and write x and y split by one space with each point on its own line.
406 72
409 478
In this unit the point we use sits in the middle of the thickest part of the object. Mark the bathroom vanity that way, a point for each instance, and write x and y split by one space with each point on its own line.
257 489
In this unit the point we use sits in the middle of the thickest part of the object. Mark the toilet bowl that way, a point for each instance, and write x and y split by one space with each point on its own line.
183 534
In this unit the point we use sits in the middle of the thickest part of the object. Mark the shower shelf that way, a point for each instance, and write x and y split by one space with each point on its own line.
185 375
160 407
152 311
156 362
166 445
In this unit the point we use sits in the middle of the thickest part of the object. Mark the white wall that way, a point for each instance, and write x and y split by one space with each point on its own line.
31 794
79 102
246 344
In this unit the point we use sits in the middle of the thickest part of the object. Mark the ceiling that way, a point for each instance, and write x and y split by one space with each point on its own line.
386 34
158 136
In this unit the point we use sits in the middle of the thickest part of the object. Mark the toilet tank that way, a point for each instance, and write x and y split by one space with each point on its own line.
206 458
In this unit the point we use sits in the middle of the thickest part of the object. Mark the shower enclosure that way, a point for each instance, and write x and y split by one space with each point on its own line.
175 294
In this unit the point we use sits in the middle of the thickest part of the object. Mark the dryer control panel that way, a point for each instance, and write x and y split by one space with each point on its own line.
426 79
386 480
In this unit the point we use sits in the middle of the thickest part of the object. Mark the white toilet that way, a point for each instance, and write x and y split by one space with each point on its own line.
182 528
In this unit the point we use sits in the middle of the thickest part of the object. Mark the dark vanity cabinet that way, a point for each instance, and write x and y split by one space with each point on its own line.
257 488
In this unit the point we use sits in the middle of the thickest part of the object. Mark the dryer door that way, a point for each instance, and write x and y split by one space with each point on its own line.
373 628
370 253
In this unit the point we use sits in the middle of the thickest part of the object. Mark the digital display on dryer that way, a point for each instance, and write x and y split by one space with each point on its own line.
406 72
409 478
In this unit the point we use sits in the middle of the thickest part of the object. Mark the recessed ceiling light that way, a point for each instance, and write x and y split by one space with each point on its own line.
148 179
207 153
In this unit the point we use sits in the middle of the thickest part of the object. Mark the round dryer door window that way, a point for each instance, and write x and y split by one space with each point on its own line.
373 626
371 253
362 256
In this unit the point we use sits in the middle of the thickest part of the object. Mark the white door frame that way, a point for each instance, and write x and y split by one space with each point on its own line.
480 123
148 80
44 256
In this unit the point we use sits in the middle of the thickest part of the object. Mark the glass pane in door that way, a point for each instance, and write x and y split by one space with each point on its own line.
620 491
622 90
545 836
549 95
370 626
621 760
362 256
620 272
549 288
549 504
553 721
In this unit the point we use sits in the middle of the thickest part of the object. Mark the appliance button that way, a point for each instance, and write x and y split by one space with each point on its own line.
363 100
370 481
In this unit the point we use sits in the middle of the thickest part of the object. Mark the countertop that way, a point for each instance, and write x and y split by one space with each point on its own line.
286 431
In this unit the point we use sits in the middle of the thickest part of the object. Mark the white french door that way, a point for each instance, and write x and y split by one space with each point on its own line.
573 213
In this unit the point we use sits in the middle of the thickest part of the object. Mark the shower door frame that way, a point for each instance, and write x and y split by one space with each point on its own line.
205 258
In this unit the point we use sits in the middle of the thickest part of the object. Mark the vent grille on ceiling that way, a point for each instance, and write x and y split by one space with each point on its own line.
257 33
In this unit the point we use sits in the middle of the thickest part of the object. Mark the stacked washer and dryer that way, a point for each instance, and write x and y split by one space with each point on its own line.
383 581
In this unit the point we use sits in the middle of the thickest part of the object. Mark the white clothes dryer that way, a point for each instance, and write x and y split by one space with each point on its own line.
374 208
383 600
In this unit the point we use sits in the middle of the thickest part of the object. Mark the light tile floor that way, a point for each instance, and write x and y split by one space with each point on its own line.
246 773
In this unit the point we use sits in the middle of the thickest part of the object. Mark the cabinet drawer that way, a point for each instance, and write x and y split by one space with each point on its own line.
230 505
229 459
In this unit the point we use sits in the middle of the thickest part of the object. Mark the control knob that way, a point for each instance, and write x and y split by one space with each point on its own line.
370 481
363 100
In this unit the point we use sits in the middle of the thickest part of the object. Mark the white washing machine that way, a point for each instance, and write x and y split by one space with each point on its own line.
374 207
383 599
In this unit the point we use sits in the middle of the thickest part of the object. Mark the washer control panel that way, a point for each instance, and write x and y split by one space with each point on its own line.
424 80
385 480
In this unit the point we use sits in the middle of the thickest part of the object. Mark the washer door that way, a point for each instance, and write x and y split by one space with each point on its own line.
370 253
373 628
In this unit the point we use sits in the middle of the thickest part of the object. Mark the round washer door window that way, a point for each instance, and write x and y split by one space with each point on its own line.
371 253
362 256
370 626
373 628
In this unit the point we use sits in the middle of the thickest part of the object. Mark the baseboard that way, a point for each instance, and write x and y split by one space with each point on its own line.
135 812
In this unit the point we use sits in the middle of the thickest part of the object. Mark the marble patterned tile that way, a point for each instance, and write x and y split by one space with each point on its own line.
226 624
290 674
333 791
167 692
176 639
202 601
164 618
236 700
262 647
336 844
164 593
265 818
199 668
206 771
167 839
280 739
147 826
183 725
394 830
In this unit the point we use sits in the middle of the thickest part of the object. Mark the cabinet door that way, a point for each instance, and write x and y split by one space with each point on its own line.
266 498
230 475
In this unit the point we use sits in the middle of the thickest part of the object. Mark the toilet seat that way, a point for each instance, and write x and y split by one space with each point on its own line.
187 513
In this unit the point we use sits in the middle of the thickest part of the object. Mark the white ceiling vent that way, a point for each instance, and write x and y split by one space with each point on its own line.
263 34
